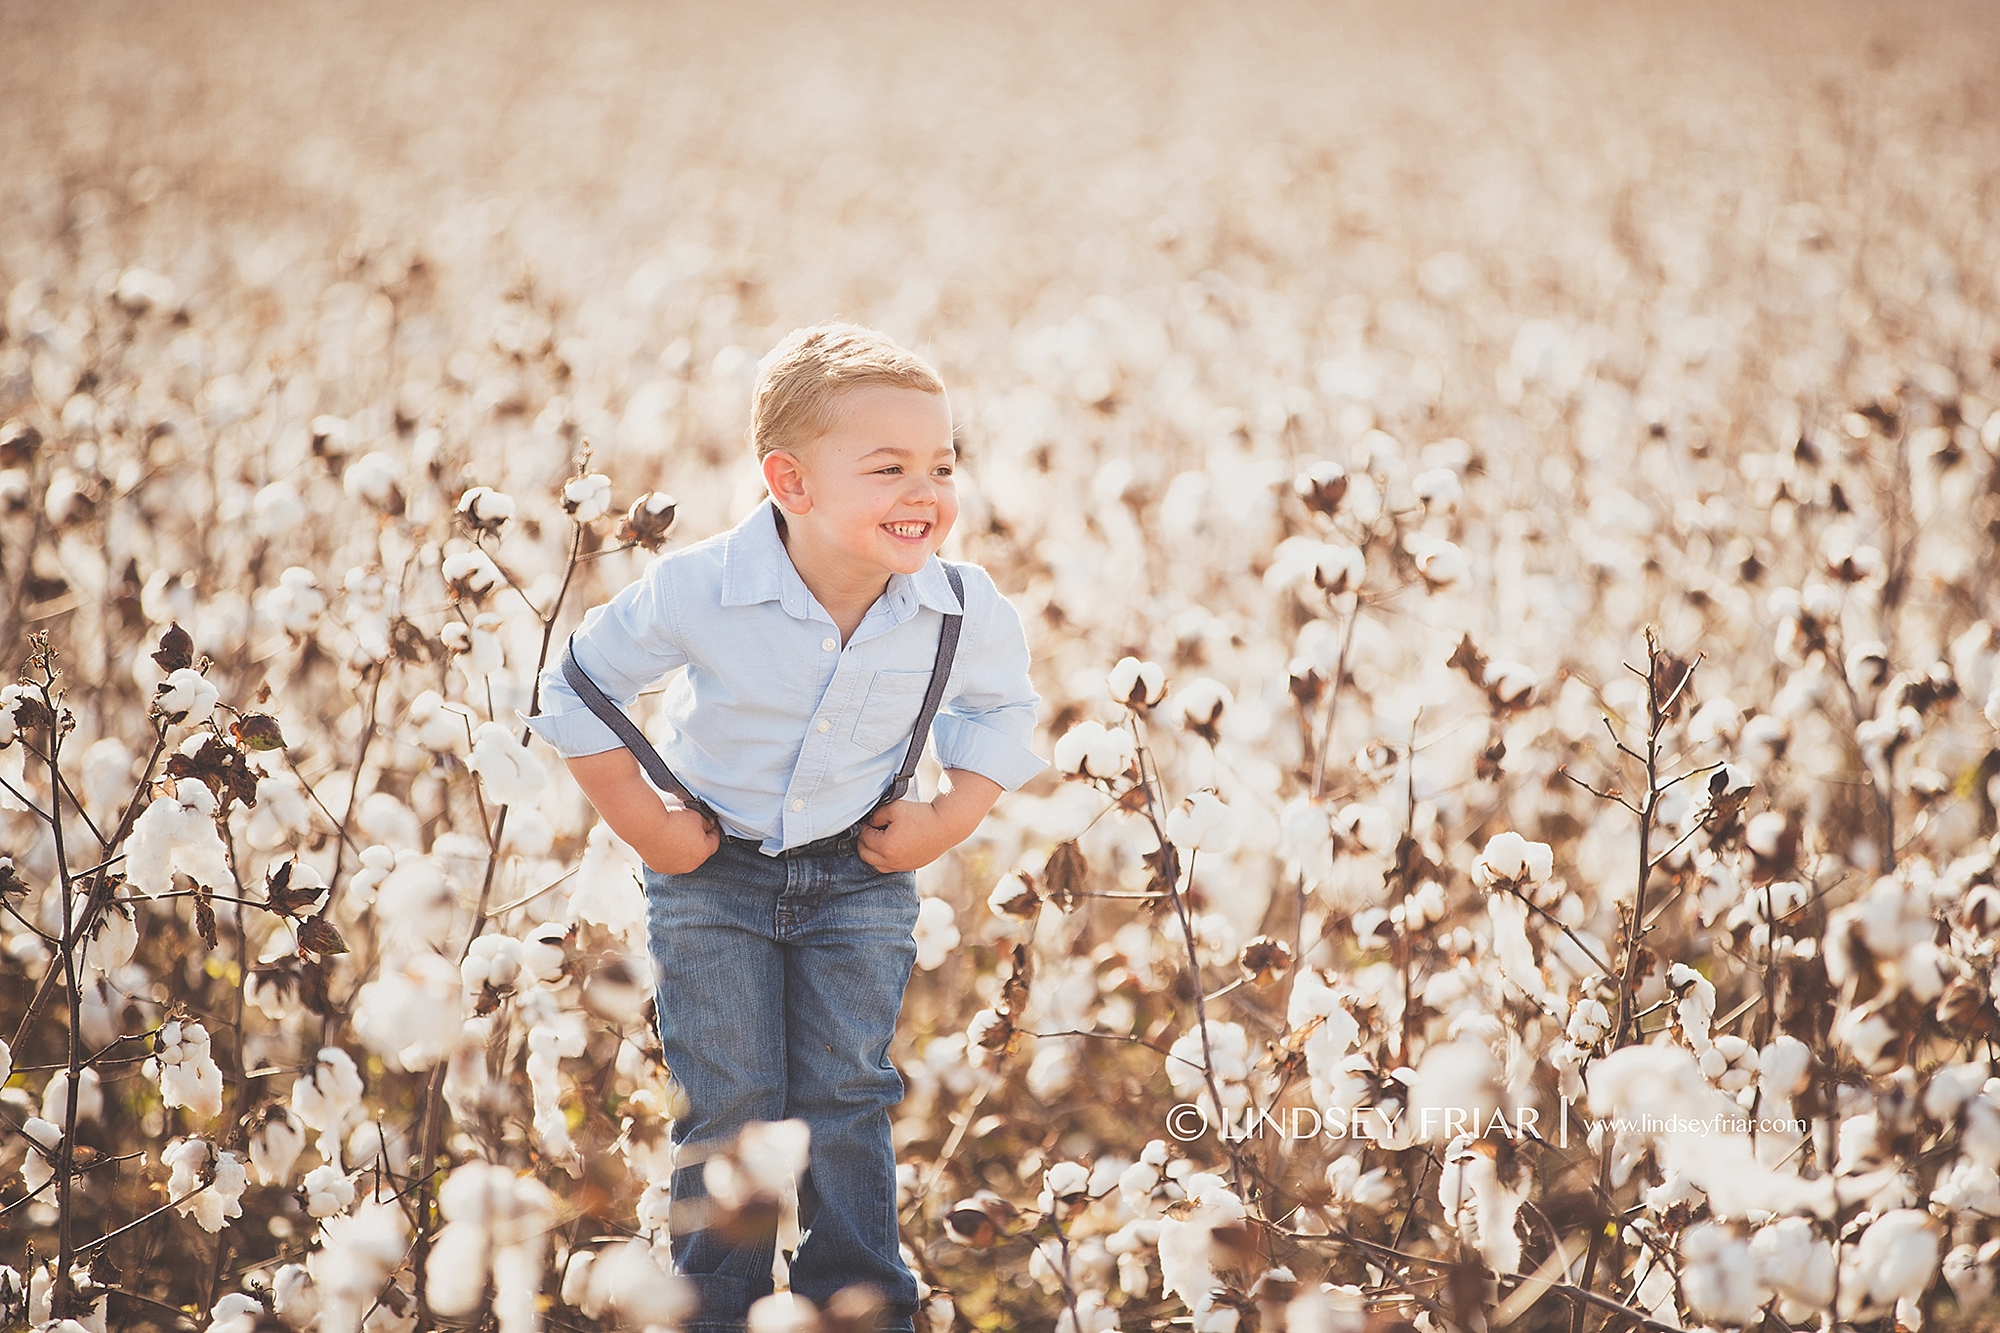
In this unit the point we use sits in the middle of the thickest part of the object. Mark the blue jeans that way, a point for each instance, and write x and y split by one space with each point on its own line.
780 980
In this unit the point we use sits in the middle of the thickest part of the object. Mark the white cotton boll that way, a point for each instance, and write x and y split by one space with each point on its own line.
235 1313
1717 719
471 573
1764 832
141 289
1969 1187
1510 682
1065 1186
281 813
417 901
1202 823
187 1073
1969 1273
442 728
936 933
328 1099
1369 827
1893 1261
189 1160
371 479
357 1254
1720 1275
108 773
1696 1007
277 511
413 1014
376 865
782 1312
587 498
1868 1036
1793 1261
1135 683
296 603
607 890
1992 709
1092 750
1454 1090
37 1168
6 1063
388 821
1438 489
1187 1243
276 1145
1482 1206
328 1191
488 651
625 1283
1951 1086
507 771
1510 858
1589 1022
113 937
55 1095
1338 568
185 697
485 508
1439 563
1226 1055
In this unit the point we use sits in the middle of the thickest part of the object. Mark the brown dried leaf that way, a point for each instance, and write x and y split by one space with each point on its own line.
318 935
221 767
176 649
204 918
1468 659
1065 875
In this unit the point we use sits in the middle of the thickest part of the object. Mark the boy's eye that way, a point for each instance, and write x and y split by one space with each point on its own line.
944 470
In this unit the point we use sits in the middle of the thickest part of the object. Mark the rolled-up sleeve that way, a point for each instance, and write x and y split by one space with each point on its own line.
624 646
987 724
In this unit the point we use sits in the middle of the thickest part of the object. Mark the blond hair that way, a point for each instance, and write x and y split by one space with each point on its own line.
800 384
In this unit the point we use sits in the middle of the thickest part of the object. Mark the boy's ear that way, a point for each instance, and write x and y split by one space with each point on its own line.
786 481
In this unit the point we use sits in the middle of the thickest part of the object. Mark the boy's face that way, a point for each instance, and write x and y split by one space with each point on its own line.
878 490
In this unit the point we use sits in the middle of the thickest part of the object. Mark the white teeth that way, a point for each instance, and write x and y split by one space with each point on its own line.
907 529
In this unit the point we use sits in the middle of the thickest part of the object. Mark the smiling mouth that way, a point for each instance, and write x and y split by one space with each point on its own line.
909 530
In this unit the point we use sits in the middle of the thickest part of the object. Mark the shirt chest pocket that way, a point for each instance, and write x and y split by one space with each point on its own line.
889 709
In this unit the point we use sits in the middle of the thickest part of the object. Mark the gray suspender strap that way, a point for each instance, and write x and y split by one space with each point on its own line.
940 670
663 777
634 740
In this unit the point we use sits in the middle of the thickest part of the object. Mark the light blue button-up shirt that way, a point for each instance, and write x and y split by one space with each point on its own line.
787 734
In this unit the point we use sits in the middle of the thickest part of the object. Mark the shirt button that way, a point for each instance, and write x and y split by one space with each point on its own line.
824 724
828 644
798 805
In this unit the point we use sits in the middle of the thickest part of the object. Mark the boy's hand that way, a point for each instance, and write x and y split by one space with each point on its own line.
909 835
683 842
906 835
671 842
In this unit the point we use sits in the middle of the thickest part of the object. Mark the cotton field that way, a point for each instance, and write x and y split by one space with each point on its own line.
1505 508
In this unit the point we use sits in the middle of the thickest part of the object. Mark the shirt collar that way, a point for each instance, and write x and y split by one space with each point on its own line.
756 568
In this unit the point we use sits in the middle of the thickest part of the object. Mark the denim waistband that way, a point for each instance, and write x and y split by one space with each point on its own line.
833 844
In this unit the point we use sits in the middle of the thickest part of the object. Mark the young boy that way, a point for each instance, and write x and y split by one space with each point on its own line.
781 927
